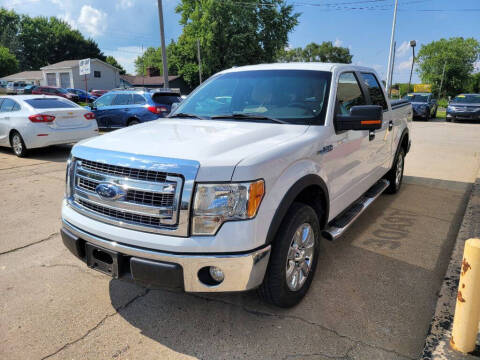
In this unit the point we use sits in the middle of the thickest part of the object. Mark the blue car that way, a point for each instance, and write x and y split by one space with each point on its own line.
121 108
83 95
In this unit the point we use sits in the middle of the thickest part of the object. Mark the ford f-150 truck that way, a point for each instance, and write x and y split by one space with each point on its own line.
235 190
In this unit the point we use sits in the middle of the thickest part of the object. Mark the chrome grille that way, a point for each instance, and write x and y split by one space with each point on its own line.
139 174
139 192
141 219
135 196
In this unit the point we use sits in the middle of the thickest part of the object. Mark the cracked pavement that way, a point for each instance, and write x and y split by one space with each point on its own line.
372 298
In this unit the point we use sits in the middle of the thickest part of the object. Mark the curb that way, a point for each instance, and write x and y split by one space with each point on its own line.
438 338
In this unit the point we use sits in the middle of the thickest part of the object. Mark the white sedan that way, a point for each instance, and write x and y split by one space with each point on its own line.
33 121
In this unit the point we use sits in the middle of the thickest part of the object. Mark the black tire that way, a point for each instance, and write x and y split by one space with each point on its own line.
427 116
435 113
396 184
274 288
18 145
133 122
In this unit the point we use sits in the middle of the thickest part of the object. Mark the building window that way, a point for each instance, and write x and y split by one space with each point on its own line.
97 74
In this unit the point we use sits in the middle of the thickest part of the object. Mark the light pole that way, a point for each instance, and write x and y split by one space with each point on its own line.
164 50
390 55
413 43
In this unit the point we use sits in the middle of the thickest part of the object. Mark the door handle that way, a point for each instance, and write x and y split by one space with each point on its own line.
371 135
390 125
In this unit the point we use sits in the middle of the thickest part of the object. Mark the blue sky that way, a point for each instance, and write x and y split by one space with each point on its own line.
121 27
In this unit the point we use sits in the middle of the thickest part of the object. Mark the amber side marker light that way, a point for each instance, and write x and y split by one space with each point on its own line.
370 122
256 192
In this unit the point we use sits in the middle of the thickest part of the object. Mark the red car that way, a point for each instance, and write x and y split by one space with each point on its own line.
98 93
52 90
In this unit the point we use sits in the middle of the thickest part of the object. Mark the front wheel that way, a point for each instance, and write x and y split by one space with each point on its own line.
18 145
395 175
293 259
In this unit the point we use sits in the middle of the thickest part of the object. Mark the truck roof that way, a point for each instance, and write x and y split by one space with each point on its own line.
298 66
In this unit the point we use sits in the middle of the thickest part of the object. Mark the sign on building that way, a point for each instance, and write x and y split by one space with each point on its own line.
84 66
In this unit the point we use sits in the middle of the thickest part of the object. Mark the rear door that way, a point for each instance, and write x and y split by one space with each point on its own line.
380 144
120 113
4 121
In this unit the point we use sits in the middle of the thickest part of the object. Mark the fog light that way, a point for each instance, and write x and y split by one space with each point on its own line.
216 274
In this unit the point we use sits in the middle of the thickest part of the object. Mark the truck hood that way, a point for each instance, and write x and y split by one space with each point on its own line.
217 145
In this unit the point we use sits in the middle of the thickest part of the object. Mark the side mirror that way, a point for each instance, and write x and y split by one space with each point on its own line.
362 117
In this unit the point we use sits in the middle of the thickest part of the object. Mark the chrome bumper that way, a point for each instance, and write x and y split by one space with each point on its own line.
242 271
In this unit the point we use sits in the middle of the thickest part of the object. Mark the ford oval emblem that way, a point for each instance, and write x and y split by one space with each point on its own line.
109 191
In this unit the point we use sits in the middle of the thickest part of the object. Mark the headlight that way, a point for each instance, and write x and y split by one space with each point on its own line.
215 204
451 108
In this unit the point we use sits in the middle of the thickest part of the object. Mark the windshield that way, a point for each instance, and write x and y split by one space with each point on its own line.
294 96
467 99
417 98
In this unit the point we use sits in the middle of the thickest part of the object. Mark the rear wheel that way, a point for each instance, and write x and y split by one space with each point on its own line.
133 122
435 113
18 145
293 259
395 175
427 115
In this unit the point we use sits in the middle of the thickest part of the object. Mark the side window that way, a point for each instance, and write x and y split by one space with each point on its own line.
105 100
123 99
138 99
97 74
16 106
375 90
349 93
1 100
7 105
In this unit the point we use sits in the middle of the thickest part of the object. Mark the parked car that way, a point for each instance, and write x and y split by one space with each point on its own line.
13 86
118 109
26 90
3 86
464 107
83 95
233 195
57 91
32 121
98 93
424 105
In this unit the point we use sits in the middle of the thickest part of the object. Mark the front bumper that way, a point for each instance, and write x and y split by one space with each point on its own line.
180 271
463 115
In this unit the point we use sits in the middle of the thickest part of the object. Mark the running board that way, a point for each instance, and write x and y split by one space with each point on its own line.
342 222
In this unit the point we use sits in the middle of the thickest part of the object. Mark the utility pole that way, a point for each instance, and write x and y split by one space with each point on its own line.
199 61
441 82
390 56
164 50
393 67
143 70
413 43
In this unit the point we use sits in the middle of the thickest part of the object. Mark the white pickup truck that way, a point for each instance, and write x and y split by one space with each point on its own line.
236 189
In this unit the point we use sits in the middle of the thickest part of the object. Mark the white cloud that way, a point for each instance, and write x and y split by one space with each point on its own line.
403 49
476 66
123 4
338 42
405 65
126 55
92 21
68 18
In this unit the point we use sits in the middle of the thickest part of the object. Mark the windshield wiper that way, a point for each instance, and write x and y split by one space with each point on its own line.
185 115
248 117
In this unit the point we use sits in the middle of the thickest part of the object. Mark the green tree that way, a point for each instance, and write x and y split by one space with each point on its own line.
112 61
152 58
230 34
40 41
457 54
474 83
325 52
8 62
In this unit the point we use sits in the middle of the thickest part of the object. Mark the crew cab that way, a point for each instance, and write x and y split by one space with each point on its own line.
424 105
235 190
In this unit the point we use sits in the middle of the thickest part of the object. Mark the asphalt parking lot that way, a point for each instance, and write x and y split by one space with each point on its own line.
373 296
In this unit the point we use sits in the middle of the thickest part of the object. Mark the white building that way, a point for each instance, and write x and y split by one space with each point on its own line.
66 74
28 77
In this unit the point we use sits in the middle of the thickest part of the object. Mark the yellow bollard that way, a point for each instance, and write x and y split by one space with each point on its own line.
467 311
